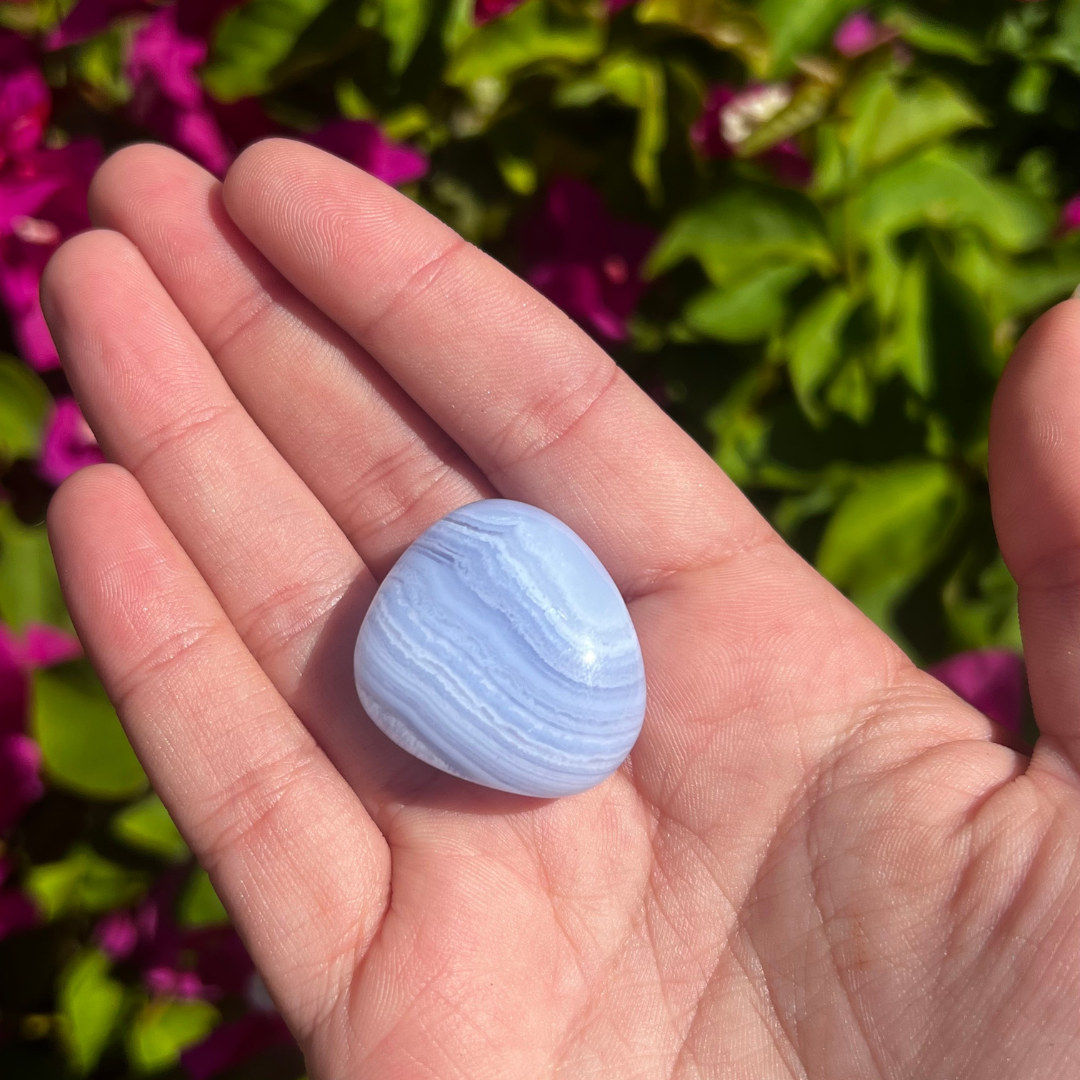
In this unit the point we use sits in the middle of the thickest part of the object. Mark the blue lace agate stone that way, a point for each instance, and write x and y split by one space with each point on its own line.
498 649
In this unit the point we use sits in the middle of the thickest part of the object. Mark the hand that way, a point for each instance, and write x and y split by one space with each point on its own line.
817 861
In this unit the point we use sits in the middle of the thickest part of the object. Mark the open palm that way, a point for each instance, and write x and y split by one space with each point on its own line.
817 862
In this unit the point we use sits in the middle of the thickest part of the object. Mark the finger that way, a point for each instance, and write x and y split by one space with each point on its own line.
1035 492
253 794
285 575
530 397
375 460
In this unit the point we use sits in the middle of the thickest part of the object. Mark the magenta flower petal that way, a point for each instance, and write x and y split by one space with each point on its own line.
234 1043
168 98
163 981
366 146
20 784
992 680
17 913
1070 215
68 445
583 259
13 685
25 102
705 131
163 57
116 935
90 17
859 33
486 10
44 646
789 164
42 201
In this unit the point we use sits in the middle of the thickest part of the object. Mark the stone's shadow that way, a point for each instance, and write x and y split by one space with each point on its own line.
382 774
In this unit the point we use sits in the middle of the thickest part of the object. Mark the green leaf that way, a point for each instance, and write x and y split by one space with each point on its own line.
199 904
907 348
720 22
164 1028
743 231
100 62
888 531
987 616
742 433
640 84
534 32
1031 89
24 402
146 826
83 746
1064 47
403 23
90 1004
852 392
933 36
251 41
29 587
744 312
798 27
83 883
940 188
890 122
1030 285
814 346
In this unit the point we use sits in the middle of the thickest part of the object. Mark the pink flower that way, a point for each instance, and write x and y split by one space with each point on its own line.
39 646
365 145
68 445
20 756
705 130
116 935
234 1043
584 260
165 981
860 33
42 201
13 687
486 10
168 98
992 680
1070 215
728 117
25 100
789 164
20 784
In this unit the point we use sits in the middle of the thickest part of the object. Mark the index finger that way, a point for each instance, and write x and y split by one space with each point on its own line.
533 400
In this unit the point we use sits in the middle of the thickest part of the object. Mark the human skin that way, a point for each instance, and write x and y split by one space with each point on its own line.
817 861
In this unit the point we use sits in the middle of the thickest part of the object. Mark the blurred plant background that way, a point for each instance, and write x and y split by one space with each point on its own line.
813 231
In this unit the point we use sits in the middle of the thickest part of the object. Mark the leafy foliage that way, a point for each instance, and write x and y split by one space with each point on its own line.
813 233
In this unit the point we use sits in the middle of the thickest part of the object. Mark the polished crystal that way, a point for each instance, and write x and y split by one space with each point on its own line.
499 649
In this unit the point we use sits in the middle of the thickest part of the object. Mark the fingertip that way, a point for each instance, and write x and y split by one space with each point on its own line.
88 511
127 177
82 265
